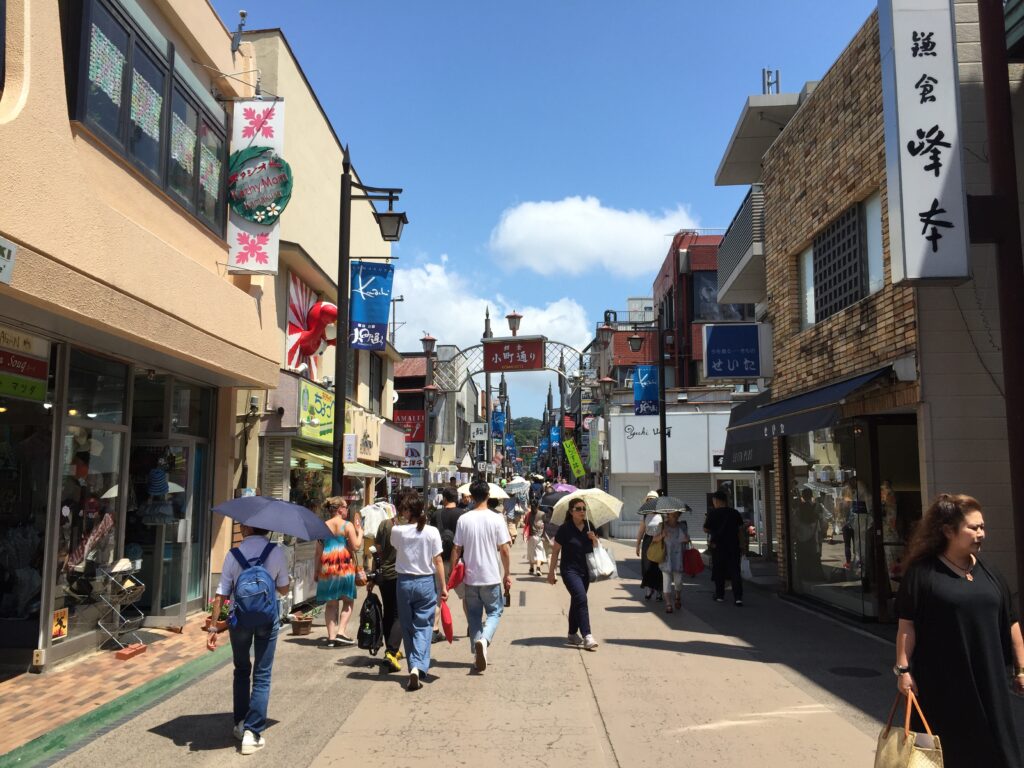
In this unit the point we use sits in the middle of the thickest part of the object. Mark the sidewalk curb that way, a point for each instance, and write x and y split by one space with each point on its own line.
62 738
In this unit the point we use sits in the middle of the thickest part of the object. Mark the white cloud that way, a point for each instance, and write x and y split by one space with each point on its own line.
578 234
442 302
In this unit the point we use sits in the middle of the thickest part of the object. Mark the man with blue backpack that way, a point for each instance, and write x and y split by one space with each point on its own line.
254 573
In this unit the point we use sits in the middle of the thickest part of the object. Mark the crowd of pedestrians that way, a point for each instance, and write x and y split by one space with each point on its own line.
958 626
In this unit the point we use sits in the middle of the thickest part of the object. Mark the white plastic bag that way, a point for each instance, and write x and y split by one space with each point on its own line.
745 569
601 564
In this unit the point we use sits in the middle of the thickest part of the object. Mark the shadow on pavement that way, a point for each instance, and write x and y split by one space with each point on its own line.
549 642
201 733
697 647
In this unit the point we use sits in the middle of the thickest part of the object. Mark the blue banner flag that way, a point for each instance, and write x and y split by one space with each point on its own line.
497 425
556 437
645 390
371 303
510 441
542 445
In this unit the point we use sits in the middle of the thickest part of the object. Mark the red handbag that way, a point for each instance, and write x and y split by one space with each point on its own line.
446 622
457 575
693 563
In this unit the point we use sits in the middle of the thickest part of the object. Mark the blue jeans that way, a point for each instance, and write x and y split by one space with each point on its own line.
481 600
417 600
250 704
579 610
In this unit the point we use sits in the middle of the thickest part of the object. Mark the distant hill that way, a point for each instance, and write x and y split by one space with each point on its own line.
526 429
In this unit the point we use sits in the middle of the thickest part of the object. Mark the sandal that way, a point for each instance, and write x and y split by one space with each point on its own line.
679 603
668 607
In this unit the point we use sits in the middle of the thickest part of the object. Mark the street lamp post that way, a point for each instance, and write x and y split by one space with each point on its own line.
430 391
605 387
391 223
636 343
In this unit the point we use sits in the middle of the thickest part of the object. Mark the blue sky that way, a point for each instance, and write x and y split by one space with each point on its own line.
548 148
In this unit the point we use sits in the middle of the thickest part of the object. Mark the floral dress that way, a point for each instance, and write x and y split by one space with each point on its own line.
337 571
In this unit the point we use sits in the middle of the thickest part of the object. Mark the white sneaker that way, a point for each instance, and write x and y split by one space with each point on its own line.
589 643
252 742
481 655
239 730
574 640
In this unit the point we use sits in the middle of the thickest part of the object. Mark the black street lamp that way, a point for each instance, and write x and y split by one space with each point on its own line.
514 319
391 223
636 343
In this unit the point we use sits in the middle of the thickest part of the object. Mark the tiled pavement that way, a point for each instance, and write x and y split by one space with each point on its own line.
32 705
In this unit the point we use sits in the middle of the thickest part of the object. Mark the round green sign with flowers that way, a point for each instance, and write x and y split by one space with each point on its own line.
259 184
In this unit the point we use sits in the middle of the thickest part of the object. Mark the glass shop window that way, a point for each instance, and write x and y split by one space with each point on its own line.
108 58
97 387
144 130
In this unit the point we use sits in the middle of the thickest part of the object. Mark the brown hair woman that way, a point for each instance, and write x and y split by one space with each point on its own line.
959 636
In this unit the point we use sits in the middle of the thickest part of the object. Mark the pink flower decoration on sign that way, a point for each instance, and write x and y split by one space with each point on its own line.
252 247
258 122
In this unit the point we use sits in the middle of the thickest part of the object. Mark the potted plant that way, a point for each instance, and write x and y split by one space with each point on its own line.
302 618
221 620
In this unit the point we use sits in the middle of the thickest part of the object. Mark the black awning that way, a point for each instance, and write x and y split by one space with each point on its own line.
748 442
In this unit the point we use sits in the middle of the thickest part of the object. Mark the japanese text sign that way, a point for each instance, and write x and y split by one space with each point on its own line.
413 456
520 354
543 445
573 456
478 431
920 98
24 365
645 390
737 351
260 185
316 412
371 302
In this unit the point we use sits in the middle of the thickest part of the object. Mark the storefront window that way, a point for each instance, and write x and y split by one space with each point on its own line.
108 54
144 130
191 408
26 436
90 489
96 388
831 517
181 172
149 406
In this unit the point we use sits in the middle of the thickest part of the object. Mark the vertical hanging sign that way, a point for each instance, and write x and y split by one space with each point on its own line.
370 304
497 425
924 167
259 186
556 438
645 390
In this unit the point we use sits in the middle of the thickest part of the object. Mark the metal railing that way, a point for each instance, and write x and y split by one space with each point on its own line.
747 227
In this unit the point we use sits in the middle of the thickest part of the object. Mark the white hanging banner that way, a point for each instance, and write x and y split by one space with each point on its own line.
259 186
924 167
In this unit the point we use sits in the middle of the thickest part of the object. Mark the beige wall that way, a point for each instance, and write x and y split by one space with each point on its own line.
962 419
87 216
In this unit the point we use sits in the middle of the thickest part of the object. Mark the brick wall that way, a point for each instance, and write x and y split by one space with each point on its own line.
830 156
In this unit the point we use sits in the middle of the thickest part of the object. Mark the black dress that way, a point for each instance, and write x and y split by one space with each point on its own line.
960 661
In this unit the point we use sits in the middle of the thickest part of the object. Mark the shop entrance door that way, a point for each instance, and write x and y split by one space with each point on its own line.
165 531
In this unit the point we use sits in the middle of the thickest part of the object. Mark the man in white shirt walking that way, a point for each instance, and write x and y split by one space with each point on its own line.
482 541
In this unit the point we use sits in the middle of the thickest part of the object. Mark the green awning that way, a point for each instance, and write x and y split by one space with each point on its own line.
396 471
358 469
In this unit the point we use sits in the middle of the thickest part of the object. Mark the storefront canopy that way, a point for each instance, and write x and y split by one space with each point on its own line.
753 424
396 471
358 469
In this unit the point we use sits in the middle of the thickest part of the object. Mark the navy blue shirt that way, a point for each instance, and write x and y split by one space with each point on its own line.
575 547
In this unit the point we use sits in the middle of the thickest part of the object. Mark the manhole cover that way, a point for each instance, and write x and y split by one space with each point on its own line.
855 672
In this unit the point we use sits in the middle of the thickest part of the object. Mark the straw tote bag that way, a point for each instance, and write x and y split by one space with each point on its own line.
904 748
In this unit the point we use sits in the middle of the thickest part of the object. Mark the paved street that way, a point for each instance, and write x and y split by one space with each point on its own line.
769 683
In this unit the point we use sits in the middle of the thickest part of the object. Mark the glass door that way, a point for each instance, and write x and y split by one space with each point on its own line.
158 526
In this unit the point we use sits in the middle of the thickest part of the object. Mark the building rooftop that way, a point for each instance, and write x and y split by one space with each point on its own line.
761 120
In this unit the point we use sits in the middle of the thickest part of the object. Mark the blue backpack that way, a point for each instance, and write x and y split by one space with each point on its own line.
255 598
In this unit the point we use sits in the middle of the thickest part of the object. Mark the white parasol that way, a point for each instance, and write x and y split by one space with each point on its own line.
601 507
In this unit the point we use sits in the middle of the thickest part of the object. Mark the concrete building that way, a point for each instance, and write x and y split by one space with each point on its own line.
125 344
884 393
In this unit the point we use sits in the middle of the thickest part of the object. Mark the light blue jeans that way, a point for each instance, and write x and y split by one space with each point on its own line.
417 600
484 606
250 705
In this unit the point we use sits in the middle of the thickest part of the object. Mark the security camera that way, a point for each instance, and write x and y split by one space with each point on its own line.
280 410
242 15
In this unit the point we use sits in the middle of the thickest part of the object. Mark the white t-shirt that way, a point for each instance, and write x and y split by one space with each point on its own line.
654 523
480 532
252 547
415 550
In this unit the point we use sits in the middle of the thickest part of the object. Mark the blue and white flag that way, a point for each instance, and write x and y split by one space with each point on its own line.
510 441
556 437
645 390
497 425
370 304
542 445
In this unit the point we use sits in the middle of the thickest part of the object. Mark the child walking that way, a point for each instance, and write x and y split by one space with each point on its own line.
535 543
